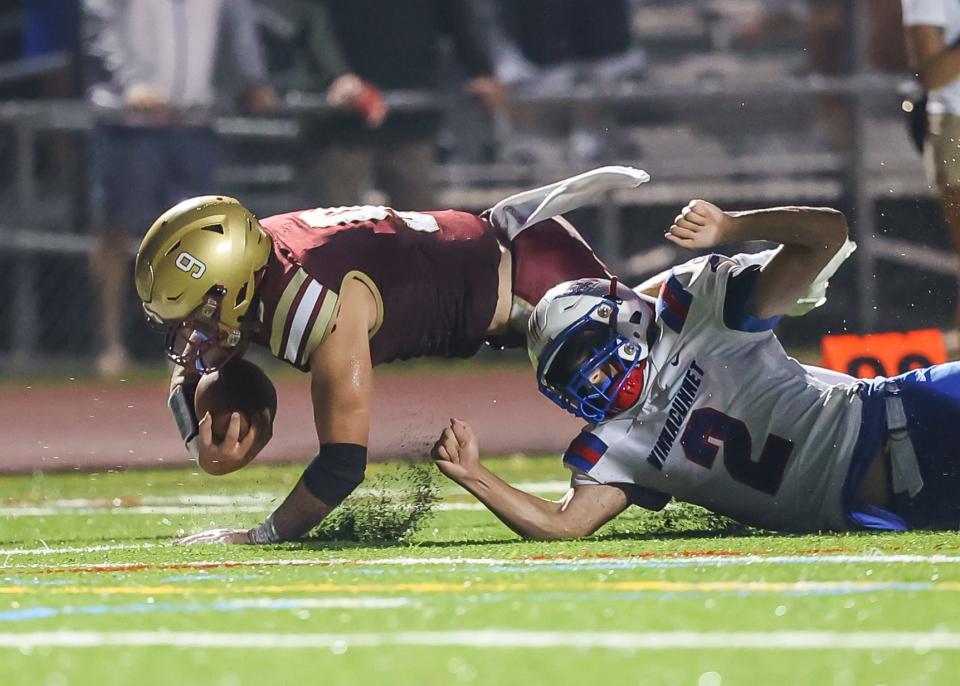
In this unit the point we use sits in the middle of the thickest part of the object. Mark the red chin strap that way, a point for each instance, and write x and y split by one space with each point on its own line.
630 389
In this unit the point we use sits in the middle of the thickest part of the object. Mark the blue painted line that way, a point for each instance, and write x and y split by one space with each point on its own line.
564 567
28 613
180 578
36 613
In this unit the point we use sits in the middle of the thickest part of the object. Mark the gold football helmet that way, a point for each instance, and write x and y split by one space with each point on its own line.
196 272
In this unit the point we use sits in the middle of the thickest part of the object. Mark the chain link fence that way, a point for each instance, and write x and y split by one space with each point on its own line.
742 134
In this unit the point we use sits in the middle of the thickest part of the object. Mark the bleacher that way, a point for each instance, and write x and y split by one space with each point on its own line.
740 126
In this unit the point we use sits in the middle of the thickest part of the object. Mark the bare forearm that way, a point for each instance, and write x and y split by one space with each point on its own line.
817 228
457 455
940 70
333 475
299 513
526 514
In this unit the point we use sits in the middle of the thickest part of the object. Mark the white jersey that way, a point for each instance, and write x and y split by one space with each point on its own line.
944 14
727 420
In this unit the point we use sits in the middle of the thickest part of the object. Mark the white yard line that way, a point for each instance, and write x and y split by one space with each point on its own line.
263 498
14 512
179 499
206 504
920 642
56 511
625 560
73 550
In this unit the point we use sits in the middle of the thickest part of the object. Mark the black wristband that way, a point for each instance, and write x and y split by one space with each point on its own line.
335 472
265 532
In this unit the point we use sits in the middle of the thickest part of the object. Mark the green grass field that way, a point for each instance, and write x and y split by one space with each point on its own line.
93 592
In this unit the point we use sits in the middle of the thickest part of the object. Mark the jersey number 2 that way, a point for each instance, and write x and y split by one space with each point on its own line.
708 429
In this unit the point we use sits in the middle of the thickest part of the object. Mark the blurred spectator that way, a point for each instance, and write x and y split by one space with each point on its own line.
563 43
303 56
826 28
156 68
933 30
551 33
301 50
388 45
50 28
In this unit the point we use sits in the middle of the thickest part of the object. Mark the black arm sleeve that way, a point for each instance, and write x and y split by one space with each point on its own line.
335 472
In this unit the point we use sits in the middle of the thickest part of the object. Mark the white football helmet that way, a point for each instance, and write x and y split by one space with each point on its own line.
589 341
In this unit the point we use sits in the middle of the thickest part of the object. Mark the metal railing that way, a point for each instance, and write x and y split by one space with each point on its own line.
824 176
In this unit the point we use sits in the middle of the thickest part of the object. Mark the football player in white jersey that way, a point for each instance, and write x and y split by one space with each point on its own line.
690 395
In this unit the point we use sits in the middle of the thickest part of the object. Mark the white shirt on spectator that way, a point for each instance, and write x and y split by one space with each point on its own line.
170 45
946 15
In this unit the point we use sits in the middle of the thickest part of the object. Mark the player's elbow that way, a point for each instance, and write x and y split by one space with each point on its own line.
560 528
931 78
835 228
928 80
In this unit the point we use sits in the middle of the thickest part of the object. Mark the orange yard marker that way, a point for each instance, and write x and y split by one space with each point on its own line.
883 354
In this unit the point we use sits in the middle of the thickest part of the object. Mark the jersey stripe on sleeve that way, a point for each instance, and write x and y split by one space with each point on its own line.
302 318
741 285
305 311
585 451
318 326
280 315
673 305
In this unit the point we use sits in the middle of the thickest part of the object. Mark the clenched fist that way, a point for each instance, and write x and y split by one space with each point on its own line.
701 224
456 452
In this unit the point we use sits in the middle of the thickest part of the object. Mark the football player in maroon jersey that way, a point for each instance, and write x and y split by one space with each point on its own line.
336 291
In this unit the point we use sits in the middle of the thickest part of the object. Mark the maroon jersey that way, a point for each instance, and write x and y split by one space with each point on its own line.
433 274
545 254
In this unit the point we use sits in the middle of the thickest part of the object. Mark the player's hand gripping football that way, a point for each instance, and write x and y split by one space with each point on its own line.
456 452
233 452
700 224
221 536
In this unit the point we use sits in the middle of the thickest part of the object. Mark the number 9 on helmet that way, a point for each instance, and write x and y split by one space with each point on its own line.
196 272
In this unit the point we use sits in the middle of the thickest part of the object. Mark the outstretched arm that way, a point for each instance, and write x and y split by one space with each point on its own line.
584 509
341 381
341 384
810 236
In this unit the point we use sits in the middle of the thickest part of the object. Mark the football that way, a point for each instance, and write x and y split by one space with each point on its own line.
240 386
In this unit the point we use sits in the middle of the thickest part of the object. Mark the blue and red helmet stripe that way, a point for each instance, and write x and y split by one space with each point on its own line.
673 305
585 451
